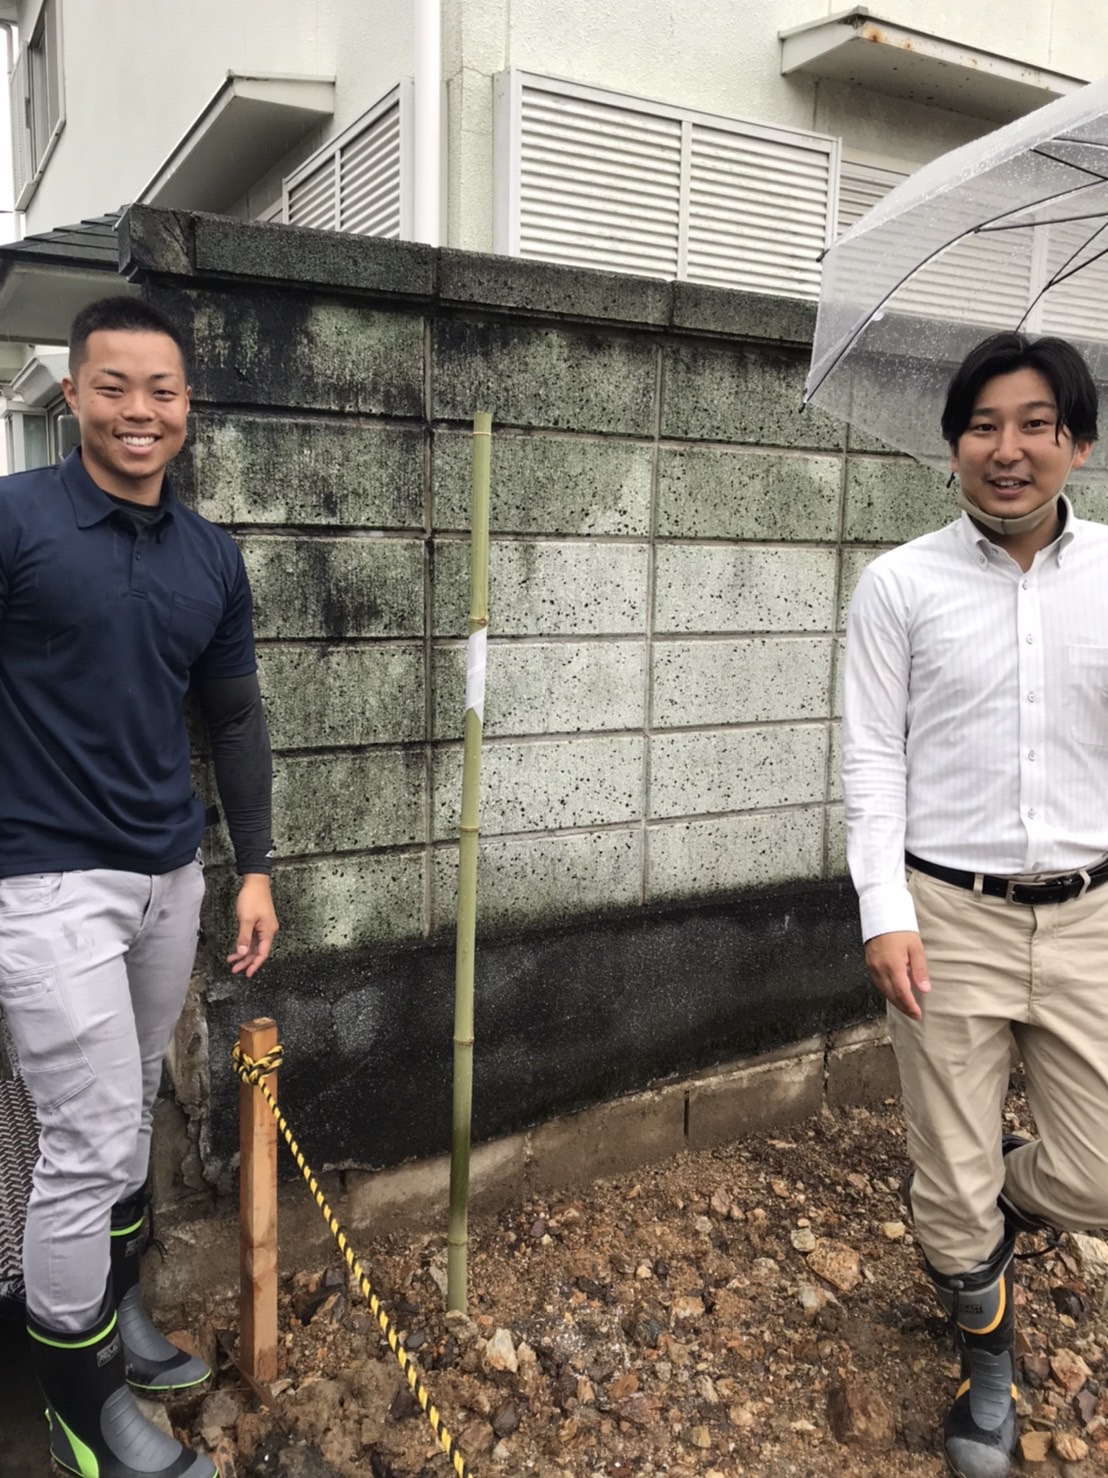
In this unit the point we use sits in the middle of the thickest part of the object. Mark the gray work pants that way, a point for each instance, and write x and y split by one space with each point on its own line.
94 968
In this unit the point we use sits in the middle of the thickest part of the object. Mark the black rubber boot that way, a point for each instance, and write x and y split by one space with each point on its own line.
980 1429
153 1366
1015 1218
96 1430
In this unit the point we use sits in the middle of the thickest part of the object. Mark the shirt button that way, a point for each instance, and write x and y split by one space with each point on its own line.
981 560
1031 697
1030 754
1031 813
1026 584
1029 639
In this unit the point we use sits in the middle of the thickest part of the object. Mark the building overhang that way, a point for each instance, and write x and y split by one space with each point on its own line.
858 47
46 279
244 131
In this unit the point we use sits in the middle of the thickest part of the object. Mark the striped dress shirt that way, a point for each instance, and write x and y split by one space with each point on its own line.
975 712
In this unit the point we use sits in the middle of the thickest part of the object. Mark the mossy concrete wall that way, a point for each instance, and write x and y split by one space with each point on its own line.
673 544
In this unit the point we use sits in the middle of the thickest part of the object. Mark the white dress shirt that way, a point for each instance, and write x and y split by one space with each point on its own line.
975 712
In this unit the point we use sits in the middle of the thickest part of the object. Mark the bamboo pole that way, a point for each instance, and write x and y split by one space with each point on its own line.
458 1238
258 1211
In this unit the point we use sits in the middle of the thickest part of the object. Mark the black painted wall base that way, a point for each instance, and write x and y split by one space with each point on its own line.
563 1019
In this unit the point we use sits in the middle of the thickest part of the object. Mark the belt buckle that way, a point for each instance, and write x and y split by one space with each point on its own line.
1009 892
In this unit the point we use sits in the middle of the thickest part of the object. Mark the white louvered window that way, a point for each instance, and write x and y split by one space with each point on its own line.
598 179
993 280
861 186
36 91
360 182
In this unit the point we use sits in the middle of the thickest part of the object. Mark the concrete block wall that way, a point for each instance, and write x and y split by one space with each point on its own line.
673 543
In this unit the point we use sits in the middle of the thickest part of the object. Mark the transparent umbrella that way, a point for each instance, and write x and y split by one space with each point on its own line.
1007 232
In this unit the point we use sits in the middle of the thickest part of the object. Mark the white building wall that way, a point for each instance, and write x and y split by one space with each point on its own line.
722 56
139 71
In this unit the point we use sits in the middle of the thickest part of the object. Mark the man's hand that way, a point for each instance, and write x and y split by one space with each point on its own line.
257 925
896 963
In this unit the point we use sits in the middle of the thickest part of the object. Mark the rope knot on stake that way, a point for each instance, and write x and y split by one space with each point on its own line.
254 1071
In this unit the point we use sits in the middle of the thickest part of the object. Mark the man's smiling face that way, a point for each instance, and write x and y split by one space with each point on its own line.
131 402
1011 458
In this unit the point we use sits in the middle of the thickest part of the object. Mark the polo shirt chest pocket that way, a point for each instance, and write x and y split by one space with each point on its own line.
1087 694
192 624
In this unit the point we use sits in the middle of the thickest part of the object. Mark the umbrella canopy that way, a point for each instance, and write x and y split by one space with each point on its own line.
1007 232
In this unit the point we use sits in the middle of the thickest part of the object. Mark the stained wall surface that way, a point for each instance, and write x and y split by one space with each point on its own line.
673 545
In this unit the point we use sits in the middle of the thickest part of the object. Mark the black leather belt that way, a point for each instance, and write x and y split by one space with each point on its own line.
1013 890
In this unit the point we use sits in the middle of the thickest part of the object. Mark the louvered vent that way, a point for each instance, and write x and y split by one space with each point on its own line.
355 184
861 186
1078 307
599 185
982 280
369 179
609 181
313 201
757 212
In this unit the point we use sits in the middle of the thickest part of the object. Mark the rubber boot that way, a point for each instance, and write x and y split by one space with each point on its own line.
1015 1218
980 1429
153 1365
96 1430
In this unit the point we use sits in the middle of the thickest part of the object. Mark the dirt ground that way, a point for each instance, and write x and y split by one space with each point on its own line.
754 1310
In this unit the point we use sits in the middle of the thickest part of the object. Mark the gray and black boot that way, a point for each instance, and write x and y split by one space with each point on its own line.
980 1429
96 1430
153 1365
1015 1218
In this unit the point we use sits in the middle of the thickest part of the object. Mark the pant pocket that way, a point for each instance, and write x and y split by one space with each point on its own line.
30 893
51 1060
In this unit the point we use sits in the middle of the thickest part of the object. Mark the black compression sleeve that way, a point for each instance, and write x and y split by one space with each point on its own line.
232 710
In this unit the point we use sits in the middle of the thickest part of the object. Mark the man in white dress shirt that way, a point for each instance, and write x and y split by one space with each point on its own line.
975 770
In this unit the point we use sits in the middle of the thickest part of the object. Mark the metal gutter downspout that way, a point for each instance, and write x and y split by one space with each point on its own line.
427 184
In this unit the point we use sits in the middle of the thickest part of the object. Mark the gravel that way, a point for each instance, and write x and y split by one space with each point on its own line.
754 1310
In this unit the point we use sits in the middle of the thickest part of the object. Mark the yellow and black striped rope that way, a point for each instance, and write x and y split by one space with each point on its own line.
255 1072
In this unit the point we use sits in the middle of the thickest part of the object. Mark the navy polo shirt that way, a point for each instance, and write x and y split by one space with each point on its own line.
101 628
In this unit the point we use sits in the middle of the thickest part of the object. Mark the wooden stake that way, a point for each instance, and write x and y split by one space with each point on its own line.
258 1210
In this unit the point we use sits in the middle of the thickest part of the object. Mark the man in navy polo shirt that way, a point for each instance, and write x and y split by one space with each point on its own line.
114 600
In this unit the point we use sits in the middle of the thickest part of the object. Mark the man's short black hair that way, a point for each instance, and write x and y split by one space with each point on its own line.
129 314
1060 365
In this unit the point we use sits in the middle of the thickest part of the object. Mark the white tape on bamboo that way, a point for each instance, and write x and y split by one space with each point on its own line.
476 649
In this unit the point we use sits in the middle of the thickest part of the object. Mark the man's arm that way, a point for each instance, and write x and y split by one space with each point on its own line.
232 710
875 722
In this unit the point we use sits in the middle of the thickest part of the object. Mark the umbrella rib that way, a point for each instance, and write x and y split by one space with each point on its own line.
1093 174
1063 276
861 328
988 227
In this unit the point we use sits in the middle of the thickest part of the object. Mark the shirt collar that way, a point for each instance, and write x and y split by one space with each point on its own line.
976 539
91 504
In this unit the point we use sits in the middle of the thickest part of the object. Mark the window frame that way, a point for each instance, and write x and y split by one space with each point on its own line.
37 90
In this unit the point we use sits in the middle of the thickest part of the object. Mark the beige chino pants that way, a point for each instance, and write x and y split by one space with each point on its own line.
1002 971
